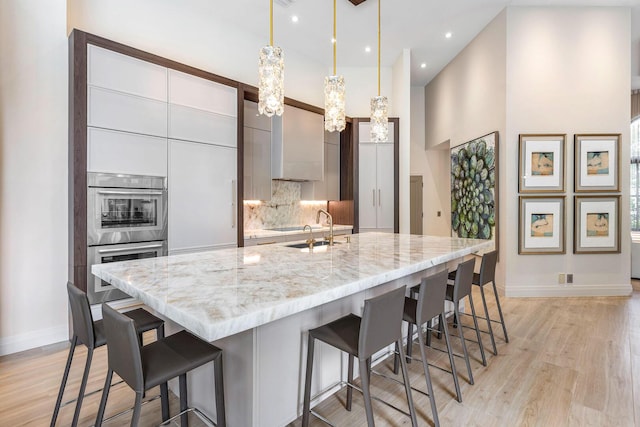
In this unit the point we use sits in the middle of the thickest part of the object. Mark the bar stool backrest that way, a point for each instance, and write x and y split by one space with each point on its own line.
431 295
464 277
381 322
81 315
488 267
123 347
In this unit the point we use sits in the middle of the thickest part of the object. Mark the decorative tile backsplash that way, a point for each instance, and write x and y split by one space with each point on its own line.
283 210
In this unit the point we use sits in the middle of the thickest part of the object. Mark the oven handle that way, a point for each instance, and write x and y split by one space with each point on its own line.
150 193
135 248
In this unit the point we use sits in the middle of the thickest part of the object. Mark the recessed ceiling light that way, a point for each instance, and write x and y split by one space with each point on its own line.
294 18
448 35
423 65
367 49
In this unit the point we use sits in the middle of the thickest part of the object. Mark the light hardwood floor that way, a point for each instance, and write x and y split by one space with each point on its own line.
570 362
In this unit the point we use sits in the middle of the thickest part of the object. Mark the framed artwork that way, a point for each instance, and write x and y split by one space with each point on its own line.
597 162
474 188
597 225
542 225
542 159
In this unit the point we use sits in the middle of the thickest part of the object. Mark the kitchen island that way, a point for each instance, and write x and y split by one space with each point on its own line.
257 304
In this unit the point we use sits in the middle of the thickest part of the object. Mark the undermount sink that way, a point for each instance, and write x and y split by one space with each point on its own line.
291 228
304 245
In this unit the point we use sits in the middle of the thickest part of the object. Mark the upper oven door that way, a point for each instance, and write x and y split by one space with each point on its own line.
123 215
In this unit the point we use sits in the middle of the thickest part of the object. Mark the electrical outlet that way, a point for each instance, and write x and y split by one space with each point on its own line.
561 279
569 277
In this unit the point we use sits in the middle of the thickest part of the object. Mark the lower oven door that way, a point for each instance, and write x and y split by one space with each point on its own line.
100 291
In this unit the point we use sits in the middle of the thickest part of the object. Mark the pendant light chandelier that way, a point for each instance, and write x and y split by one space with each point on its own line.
334 91
379 104
271 75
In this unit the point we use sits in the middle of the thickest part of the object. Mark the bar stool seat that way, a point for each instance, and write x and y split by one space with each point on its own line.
154 364
361 337
91 333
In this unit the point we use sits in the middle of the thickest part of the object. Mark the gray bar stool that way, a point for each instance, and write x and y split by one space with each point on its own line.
429 303
145 367
361 337
91 334
488 275
457 292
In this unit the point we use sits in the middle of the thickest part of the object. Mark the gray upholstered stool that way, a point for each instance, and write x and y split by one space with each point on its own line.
145 367
429 304
488 275
460 289
91 334
361 337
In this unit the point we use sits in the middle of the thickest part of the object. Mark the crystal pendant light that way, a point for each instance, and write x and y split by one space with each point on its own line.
271 75
379 104
334 91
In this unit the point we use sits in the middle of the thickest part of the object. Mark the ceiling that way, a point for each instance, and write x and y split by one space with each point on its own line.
419 25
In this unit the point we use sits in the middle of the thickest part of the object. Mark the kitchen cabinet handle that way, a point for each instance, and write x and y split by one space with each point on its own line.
131 193
379 198
234 195
374 197
134 248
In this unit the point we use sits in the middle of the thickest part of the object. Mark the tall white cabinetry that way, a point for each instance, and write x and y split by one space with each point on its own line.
257 153
375 181
329 187
202 164
145 119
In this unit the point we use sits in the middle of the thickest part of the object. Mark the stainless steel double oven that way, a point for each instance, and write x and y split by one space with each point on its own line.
126 220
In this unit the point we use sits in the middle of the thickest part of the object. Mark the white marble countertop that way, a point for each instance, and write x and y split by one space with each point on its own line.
216 294
263 233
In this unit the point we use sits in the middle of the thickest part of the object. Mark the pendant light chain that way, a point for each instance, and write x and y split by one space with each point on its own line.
335 39
334 89
379 47
271 75
271 23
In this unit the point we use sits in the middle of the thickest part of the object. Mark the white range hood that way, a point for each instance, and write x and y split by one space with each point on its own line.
297 150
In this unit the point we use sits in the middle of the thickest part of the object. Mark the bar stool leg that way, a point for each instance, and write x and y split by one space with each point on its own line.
306 406
219 385
427 376
364 379
83 386
350 381
396 361
184 418
407 388
410 341
504 327
464 345
475 323
137 406
486 313
103 400
65 377
451 358
164 399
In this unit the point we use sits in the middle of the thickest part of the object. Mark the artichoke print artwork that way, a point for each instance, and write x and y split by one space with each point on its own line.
473 188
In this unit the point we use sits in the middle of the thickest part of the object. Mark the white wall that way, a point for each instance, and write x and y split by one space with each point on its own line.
467 99
402 108
33 175
568 71
542 70
362 85
433 166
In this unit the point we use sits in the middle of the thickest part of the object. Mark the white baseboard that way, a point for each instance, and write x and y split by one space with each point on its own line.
613 290
39 338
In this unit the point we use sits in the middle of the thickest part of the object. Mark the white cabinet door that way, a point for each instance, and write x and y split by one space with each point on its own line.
257 164
129 153
202 196
191 124
367 187
196 92
253 119
111 70
119 111
385 180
